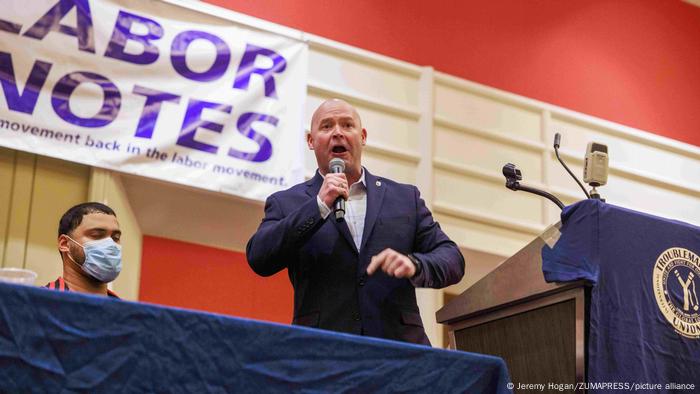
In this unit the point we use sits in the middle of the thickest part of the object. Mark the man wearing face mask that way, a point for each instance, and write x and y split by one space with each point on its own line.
89 244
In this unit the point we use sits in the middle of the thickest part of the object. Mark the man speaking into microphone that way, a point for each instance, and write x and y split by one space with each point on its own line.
356 245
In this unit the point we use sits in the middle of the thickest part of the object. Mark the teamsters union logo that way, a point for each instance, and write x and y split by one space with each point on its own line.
675 281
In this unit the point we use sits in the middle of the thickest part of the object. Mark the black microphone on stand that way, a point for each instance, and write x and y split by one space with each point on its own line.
337 166
514 176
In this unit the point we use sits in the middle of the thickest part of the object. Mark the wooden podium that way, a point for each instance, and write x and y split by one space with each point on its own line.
538 328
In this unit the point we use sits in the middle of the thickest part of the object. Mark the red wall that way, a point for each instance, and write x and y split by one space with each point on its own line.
192 276
634 62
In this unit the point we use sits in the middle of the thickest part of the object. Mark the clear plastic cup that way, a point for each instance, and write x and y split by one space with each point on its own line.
17 276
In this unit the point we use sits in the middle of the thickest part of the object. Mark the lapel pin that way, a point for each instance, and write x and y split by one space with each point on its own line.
378 183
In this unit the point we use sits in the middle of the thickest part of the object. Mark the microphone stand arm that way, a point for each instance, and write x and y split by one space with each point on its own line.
556 152
512 184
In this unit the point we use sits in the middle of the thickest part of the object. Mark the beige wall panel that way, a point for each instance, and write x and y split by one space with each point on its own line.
632 155
482 237
183 213
309 163
478 264
359 78
390 131
560 179
483 113
463 148
383 129
312 102
20 209
653 200
487 197
634 194
553 211
58 185
428 301
395 169
7 171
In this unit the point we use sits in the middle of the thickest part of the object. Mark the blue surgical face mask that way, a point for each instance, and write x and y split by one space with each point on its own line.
103 259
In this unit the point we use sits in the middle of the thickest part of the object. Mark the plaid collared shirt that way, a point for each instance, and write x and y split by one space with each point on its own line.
61 285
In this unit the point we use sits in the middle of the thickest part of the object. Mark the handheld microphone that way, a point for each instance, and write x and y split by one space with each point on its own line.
337 166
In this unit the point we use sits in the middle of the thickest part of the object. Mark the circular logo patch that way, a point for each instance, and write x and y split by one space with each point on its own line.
676 282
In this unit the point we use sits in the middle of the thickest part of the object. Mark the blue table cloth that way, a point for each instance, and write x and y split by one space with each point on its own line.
644 313
53 341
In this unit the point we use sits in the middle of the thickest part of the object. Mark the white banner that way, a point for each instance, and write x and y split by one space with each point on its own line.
153 89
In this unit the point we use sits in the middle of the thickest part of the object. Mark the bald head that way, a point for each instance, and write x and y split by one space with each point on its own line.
330 104
336 132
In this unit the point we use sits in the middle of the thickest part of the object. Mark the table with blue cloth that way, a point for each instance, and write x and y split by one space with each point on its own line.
54 341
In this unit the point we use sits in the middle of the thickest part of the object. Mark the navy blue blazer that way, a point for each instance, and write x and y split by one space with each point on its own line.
331 288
